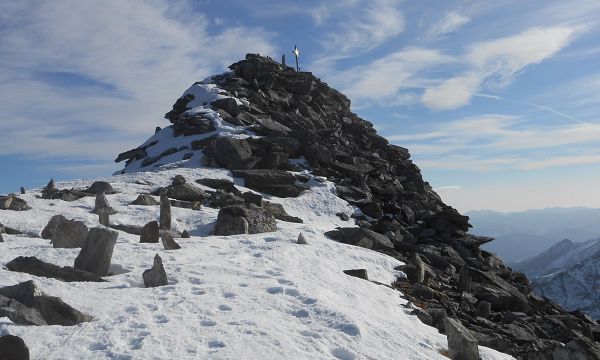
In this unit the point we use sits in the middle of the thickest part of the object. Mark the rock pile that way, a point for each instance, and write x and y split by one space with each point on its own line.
294 115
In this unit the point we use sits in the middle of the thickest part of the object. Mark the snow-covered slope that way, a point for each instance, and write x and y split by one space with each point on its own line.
235 297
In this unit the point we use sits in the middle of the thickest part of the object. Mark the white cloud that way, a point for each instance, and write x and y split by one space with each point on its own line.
495 63
450 23
128 60
584 159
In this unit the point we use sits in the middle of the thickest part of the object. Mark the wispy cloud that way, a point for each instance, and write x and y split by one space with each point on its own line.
450 23
124 61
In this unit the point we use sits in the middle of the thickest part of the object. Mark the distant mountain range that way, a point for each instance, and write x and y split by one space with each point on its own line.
568 273
521 235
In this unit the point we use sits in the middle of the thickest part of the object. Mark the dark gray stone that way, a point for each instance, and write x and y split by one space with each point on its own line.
34 266
13 348
48 231
100 187
101 205
462 345
145 200
253 198
301 239
230 105
185 234
464 279
96 254
130 229
168 242
150 232
272 182
69 234
19 313
13 203
359 273
259 220
155 276
484 309
220 184
165 212
186 192
279 212
361 237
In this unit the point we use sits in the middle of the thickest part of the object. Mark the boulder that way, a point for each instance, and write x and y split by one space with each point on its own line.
69 234
13 203
253 198
130 229
168 242
259 220
100 187
34 266
231 153
272 182
19 313
150 232
219 199
220 184
186 192
361 237
462 345
165 212
145 200
279 212
230 105
155 276
48 231
13 348
101 205
96 254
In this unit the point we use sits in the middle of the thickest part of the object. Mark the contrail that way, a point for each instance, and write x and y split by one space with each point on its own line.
542 107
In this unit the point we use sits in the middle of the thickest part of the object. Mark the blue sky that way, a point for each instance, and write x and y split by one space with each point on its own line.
498 102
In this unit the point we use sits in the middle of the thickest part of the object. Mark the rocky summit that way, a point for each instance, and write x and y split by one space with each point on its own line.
275 127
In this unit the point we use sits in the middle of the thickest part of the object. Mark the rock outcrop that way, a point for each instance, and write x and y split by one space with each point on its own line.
96 253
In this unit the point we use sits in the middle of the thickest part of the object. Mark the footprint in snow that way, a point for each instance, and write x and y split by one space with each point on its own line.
244 285
342 354
285 281
275 290
207 323
228 295
198 291
161 319
216 344
225 308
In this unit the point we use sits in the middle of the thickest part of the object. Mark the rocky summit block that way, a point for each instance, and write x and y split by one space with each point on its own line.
232 219
272 182
96 254
361 237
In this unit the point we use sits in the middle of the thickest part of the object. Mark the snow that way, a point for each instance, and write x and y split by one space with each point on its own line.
229 297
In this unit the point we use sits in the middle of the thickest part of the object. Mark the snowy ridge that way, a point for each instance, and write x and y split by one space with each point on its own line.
236 297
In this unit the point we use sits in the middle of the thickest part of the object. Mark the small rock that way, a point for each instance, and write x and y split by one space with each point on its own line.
168 241
258 219
343 216
99 187
165 212
69 234
96 254
13 348
253 198
150 232
145 199
301 239
462 345
185 234
22 190
485 309
178 180
359 273
155 276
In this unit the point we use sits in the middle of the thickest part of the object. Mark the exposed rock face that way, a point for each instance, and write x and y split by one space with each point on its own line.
69 234
34 266
298 116
13 348
48 231
96 254
155 276
230 220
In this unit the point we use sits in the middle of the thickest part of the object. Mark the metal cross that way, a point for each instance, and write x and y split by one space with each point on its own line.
296 53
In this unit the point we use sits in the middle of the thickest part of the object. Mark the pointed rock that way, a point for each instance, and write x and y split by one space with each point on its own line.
48 231
96 254
168 241
13 348
155 276
150 232
301 239
99 187
359 273
462 345
165 212
101 204
22 191
185 234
